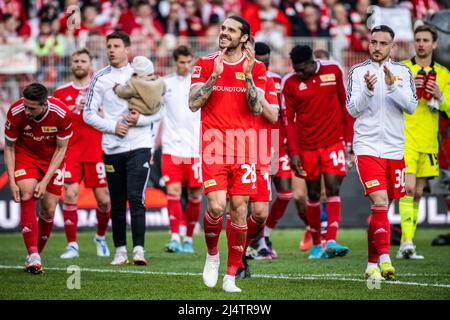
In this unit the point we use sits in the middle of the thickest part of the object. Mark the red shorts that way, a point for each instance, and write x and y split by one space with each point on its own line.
263 187
181 170
284 167
29 168
323 160
236 179
93 172
382 174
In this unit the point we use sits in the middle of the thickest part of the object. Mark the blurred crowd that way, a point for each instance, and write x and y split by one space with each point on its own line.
53 29
271 20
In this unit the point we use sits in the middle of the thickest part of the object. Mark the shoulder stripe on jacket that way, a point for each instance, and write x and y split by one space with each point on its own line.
98 75
350 75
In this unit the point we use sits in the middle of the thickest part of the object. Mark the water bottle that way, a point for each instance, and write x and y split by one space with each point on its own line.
431 77
422 74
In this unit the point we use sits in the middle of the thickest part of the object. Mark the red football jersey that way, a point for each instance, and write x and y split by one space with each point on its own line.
227 109
282 119
265 143
37 138
316 111
86 143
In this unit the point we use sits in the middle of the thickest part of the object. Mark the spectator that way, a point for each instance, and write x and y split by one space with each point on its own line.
88 26
263 10
309 26
12 30
340 31
195 27
209 9
358 18
174 23
141 20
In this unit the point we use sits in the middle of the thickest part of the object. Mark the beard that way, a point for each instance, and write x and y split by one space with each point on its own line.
80 73
380 57
232 45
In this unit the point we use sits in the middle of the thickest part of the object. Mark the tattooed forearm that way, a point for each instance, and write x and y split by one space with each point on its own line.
199 94
252 97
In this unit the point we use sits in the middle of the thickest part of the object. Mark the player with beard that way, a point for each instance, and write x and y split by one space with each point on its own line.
379 91
228 86
421 132
83 159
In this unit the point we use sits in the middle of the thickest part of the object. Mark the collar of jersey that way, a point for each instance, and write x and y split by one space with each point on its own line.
45 115
234 63
122 68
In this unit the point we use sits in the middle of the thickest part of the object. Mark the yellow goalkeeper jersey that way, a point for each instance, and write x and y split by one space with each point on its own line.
421 127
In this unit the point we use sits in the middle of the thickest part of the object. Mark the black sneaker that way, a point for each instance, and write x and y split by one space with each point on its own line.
263 254
441 240
243 272
272 252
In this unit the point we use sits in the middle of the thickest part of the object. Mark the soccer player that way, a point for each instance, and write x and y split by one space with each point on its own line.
127 140
319 126
421 132
228 86
83 159
259 202
37 131
180 159
282 178
379 91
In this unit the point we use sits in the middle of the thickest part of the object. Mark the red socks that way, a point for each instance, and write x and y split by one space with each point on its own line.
278 208
333 216
313 214
45 229
193 208
175 212
212 227
236 243
254 229
102 222
379 233
29 225
70 216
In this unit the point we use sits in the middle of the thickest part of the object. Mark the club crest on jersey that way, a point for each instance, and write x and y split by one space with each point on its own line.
49 129
210 183
327 77
302 86
399 80
372 183
196 72
20 173
109 168
240 75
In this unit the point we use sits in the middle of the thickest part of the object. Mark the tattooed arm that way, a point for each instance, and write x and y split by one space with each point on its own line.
254 97
200 93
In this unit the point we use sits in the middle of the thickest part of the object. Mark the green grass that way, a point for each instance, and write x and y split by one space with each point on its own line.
178 276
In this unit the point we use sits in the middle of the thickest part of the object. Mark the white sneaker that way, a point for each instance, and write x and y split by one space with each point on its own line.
102 246
138 256
71 252
33 264
229 284
416 256
406 250
120 258
211 270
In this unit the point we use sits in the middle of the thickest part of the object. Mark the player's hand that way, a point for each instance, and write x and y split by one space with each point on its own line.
433 88
82 103
370 79
388 76
15 191
121 128
349 156
250 61
39 190
419 82
132 117
296 165
218 63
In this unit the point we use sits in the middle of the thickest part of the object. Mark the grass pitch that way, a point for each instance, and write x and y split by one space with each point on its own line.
178 276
